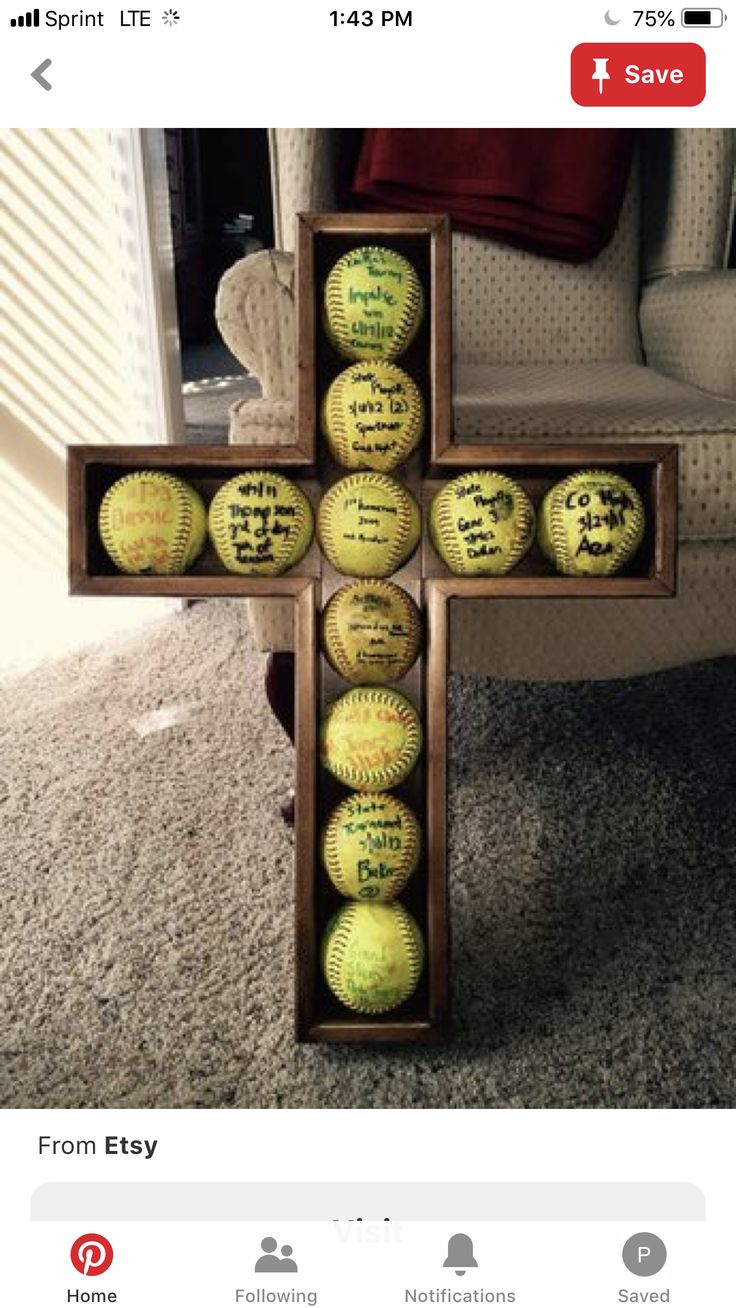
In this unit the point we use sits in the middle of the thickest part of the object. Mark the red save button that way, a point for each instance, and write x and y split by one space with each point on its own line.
640 74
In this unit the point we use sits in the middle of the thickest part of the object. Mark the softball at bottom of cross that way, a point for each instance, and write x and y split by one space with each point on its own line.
591 523
370 846
372 956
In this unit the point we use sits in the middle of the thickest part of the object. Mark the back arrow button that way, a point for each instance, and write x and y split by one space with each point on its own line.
37 73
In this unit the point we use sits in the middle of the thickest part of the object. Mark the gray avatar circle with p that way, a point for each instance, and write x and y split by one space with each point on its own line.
644 1254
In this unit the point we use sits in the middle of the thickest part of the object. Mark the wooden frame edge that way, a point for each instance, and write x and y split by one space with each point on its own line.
441 338
666 542
306 342
185 586
357 220
437 659
556 586
305 827
76 520
336 1030
195 456
553 453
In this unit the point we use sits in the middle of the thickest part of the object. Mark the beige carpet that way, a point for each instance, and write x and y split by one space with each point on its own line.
146 890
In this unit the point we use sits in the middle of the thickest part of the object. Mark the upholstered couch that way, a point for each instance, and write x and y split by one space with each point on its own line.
638 345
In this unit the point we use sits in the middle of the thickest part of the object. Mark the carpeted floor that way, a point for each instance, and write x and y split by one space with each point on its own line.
146 890
212 380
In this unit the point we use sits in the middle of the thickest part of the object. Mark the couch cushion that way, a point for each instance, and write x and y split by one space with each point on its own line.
512 307
622 401
581 639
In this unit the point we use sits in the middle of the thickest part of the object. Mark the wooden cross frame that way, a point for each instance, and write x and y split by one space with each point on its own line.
652 468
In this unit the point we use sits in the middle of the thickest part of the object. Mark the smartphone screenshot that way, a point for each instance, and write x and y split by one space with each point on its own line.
367 655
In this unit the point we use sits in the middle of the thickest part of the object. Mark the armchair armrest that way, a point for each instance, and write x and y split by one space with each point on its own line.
255 314
688 327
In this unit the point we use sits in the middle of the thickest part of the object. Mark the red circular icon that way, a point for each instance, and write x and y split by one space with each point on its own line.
91 1254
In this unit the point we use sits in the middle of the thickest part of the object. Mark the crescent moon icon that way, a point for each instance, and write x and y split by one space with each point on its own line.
612 22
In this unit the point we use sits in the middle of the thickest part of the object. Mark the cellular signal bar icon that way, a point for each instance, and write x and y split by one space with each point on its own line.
30 19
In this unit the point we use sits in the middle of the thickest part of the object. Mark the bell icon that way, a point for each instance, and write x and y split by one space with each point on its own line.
460 1254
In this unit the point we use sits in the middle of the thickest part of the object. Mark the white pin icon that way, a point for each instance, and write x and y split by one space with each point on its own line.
92 1255
601 73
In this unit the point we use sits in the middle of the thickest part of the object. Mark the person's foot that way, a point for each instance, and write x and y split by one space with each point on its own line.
287 806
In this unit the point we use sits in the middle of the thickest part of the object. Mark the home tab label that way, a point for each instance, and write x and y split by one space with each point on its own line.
633 73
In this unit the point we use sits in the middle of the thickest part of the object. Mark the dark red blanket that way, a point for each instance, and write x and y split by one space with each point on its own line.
555 191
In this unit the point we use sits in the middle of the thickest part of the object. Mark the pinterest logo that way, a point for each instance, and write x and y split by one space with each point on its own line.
91 1254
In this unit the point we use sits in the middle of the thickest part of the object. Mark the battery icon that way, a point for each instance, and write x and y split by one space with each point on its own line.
702 18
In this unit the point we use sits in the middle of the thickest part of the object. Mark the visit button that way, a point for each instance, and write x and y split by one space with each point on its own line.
656 74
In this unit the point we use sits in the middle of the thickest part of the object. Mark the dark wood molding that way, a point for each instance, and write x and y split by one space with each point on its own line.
437 658
306 942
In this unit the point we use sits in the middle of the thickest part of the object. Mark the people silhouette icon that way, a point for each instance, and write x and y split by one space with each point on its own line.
270 1262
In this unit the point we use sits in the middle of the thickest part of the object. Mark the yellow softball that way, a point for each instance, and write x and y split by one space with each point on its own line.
152 522
371 632
370 738
372 416
373 304
481 523
370 846
372 956
368 525
591 523
260 523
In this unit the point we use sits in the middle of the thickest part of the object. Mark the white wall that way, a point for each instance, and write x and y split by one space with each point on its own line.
81 363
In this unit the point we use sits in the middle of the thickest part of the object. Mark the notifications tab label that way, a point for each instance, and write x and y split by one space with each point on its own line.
621 74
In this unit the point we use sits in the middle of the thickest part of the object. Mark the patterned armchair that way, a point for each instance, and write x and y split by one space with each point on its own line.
638 345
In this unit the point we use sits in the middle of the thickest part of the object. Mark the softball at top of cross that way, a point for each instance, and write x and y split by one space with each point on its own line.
372 416
370 738
481 523
368 525
371 846
261 524
372 956
373 303
371 632
591 523
152 522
